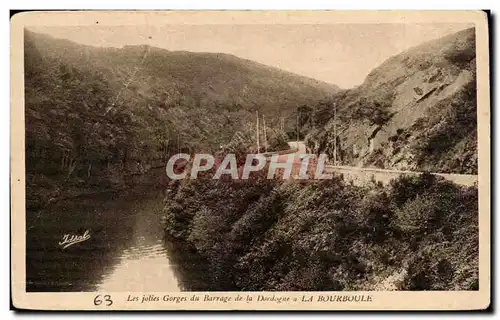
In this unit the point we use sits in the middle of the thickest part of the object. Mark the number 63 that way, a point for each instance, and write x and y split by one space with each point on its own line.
106 298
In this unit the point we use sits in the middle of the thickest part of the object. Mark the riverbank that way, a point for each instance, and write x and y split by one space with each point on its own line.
417 233
43 190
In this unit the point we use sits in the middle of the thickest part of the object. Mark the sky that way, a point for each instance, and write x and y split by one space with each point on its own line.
340 54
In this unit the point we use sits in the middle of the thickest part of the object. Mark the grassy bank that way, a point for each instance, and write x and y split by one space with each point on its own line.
418 233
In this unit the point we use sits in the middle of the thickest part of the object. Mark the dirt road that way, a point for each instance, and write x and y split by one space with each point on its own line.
362 175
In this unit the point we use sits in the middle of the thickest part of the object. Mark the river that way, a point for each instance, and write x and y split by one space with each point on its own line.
125 250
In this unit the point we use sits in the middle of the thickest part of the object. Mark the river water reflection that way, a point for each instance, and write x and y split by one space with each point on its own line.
126 250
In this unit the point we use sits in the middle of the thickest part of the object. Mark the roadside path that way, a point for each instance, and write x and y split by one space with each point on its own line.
361 175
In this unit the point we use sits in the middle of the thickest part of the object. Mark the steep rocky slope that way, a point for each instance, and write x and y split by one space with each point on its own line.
416 111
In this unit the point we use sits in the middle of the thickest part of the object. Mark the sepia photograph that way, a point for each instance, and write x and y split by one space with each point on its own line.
336 157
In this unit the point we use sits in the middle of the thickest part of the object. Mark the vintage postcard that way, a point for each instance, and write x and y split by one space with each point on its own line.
250 160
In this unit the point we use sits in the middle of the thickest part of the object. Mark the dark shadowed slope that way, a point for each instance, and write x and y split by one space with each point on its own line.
93 114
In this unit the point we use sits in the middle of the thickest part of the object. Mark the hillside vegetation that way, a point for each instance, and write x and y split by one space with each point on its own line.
418 233
97 115
416 111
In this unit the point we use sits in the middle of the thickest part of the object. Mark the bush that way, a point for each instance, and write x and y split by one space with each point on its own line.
418 233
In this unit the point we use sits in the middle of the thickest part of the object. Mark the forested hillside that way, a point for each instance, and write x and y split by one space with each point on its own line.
416 111
94 114
417 233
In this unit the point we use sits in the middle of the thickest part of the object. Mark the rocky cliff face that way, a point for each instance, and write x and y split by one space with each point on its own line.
416 111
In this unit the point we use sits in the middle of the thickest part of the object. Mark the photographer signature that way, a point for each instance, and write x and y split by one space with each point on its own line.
71 239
